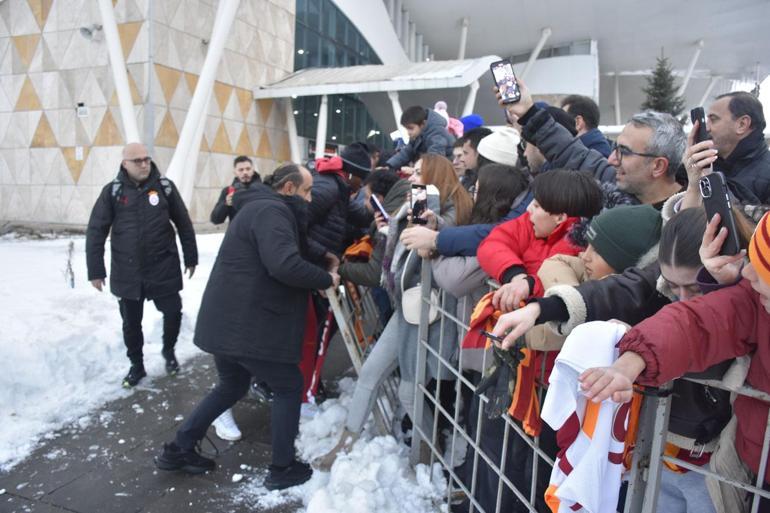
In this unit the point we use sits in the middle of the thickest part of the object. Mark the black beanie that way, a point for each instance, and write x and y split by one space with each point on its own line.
622 235
356 159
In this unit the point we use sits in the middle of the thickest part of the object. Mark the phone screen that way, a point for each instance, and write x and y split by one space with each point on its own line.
419 202
505 80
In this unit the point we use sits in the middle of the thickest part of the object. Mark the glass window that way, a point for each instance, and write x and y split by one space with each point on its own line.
312 49
313 16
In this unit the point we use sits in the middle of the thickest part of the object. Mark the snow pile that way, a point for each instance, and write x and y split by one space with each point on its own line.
61 348
374 477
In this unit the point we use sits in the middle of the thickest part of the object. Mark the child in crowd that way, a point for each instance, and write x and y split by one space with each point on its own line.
427 134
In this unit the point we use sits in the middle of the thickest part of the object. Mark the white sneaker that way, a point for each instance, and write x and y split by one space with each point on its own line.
226 428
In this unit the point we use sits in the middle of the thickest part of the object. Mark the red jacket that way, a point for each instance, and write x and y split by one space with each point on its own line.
693 335
514 243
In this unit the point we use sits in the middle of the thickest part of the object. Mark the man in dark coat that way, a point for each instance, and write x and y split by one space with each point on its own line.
245 176
252 319
139 207
737 123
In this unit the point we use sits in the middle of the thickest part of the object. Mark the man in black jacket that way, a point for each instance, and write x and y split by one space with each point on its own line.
245 176
139 207
252 319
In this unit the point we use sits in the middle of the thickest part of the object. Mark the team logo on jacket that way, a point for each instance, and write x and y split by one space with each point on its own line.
153 197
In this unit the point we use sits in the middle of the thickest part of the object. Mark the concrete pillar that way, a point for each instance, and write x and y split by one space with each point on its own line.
470 101
320 134
291 124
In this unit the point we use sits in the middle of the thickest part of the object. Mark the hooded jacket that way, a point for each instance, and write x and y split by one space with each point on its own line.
144 255
222 211
434 138
330 213
255 301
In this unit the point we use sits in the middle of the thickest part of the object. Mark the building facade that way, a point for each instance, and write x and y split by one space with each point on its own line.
61 131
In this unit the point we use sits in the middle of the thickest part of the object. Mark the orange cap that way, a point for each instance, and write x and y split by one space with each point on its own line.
759 249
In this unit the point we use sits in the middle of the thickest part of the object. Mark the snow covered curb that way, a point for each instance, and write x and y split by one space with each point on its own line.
61 349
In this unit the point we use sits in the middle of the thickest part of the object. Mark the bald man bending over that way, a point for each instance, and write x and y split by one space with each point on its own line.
139 206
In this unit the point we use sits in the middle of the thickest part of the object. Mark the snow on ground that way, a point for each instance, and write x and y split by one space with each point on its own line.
61 349
373 477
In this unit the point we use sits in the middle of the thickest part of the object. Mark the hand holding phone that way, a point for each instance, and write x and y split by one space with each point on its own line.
716 200
505 80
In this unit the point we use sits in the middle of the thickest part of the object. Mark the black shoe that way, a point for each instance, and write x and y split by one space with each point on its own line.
135 374
261 392
176 458
172 366
293 475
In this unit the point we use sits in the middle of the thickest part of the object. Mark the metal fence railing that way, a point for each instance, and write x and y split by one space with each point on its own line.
506 469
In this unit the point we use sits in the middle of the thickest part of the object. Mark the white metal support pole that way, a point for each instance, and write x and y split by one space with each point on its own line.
617 99
690 68
119 72
185 178
320 133
418 46
397 14
426 53
396 105
405 30
464 23
412 40
470 101
709 88
291 124
390 5
544 35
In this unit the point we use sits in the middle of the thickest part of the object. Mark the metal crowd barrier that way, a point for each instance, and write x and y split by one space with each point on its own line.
648 454
359 325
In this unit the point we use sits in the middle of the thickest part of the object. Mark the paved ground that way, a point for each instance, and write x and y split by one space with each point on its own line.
107 466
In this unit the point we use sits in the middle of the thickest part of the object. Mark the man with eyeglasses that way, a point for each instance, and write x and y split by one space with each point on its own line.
643 162
139 207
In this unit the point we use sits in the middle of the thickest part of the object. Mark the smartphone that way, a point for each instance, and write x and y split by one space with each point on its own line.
699 115
716 200
419 203
505 80
377 206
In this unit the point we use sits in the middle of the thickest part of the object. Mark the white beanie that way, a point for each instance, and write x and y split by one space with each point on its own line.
501 146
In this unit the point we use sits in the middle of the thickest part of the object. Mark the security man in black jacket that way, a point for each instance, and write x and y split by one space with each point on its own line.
139 207
245 177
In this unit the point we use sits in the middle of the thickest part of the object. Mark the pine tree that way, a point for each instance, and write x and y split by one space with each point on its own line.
661 90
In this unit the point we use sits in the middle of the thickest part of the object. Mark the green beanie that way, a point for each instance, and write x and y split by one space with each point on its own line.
622 235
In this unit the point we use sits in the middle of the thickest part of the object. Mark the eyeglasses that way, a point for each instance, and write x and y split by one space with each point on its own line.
623 151
141 161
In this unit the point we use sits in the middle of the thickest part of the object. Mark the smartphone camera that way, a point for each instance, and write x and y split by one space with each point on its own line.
705 187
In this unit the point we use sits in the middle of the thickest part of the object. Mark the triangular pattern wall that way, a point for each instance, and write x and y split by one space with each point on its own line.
54 159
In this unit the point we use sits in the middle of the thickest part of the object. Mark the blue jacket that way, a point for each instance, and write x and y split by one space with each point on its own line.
464 240
595 140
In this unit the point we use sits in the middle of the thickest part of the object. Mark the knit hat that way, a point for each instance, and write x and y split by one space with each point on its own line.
501 146
471 121
622 235
356 159
759 249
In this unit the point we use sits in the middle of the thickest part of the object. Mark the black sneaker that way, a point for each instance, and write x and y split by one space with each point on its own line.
261 392
135 374
293 475
172 365
176 458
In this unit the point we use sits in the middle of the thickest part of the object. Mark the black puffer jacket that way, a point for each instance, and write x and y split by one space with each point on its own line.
330 214
747 170
145 260
221 211
560 148
255 302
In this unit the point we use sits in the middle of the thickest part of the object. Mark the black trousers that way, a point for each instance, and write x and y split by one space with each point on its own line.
234 377
132 311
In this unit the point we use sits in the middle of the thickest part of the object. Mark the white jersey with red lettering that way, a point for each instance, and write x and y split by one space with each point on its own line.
587 472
